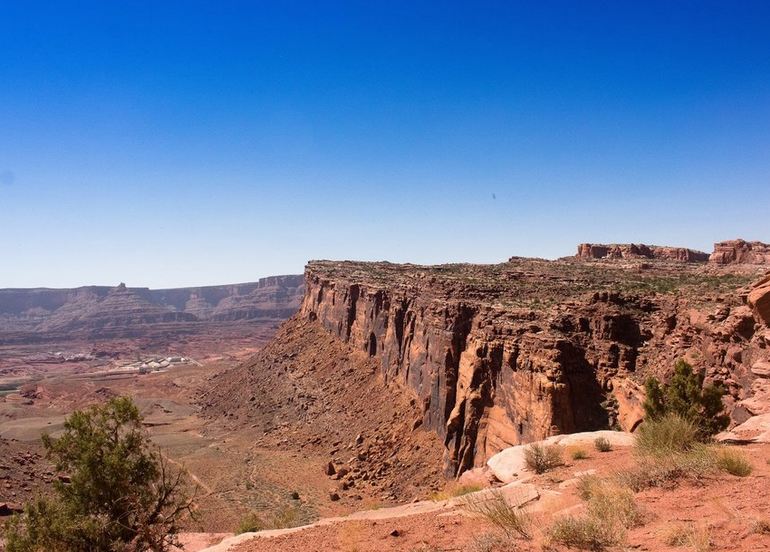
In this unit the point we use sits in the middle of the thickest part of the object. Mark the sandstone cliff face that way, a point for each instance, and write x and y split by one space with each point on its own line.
503 354
632 250
740 252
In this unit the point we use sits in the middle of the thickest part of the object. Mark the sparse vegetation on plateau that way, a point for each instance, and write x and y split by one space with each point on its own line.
542 458
602 444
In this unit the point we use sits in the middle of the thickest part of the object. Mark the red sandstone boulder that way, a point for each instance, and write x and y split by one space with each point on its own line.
759 301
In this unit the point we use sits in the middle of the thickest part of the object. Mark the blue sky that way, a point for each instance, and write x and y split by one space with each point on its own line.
182 143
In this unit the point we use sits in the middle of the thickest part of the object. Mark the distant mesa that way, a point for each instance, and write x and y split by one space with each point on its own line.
740 252
100 311
726 252
637 251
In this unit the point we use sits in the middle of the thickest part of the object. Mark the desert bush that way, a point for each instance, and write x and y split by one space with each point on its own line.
250 523
281 518
489 542
761 526
579 454
661 470
697 538
586 486
602 444
121 493
542 458
586 533
607 500
733 462
510 519
686 396
610 510
666 435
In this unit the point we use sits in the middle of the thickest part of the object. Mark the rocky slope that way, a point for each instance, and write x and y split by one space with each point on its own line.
497 355
98 311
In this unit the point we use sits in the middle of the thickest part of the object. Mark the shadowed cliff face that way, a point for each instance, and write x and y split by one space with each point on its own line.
502 354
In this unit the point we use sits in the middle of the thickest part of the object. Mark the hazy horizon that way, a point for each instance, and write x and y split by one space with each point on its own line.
188 144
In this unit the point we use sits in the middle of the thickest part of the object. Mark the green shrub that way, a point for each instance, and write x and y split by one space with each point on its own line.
666 435
121 490
686 396
508 518
602 444
579 454
542 458
733 462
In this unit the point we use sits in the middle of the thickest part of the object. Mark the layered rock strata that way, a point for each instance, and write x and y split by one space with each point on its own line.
740 252
499 355
100 310
635 251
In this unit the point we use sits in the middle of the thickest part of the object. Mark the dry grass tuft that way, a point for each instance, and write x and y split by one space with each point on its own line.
734 462
697 538
671 434
602 445
579 454
661 470
761 526
542 458
610 510
510 519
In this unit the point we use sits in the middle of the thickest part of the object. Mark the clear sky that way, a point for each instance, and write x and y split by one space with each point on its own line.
170 143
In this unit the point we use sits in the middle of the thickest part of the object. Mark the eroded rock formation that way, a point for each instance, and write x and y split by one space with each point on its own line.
635 251
740 252
504 354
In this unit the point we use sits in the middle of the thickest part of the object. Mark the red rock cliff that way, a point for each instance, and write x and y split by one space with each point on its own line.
632 250
502 354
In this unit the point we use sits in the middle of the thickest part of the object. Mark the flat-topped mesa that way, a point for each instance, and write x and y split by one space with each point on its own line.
639 251
498 355
740 252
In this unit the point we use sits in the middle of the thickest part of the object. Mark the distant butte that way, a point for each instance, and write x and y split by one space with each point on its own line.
726 252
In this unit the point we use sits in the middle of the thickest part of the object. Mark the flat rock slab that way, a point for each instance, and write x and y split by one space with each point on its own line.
754 430
509 465
761 369
517 494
